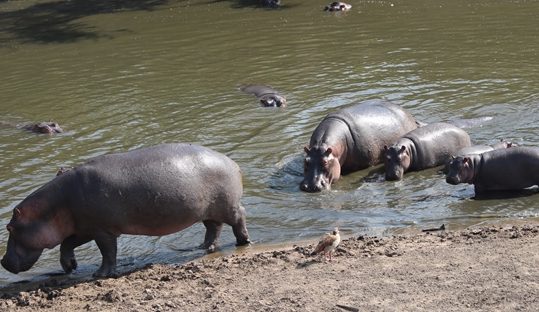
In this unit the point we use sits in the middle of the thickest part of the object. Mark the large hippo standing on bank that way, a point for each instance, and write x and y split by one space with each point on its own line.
507 169
150 191
352 139
422 148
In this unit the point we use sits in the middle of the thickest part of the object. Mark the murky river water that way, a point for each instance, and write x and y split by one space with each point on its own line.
118 75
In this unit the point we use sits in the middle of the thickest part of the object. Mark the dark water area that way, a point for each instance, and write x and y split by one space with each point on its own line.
119 75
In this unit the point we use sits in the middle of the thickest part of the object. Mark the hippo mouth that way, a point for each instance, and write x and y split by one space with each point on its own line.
452 180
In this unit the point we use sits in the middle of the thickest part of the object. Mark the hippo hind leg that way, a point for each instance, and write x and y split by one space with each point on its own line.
67 253
213 230
240 229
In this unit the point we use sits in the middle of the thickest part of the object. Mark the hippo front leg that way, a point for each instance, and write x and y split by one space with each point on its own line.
107 244
67 253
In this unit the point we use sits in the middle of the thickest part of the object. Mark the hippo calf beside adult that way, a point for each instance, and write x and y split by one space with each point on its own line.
422 148
149 191
478 149
266 95
352 139
509 169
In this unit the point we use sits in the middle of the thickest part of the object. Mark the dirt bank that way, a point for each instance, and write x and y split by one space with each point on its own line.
482 268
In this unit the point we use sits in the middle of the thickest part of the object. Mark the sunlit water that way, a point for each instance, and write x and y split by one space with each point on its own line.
119 75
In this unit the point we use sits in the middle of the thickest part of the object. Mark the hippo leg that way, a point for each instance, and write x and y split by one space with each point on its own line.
240 229
108 246
67 254
213 230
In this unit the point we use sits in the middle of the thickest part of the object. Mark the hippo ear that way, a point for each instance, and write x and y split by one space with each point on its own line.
328 152
306 149
385 148
403 148
466 160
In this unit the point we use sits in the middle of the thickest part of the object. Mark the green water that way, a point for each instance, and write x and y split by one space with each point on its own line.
118 75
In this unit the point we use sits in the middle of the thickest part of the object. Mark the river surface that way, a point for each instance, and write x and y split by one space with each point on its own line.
119 75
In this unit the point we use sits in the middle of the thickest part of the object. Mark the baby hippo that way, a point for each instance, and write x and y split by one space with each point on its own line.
478 149
422 148
507 169
266 95
337 6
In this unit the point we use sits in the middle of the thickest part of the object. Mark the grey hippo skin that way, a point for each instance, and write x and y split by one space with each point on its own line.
44 127
266 95
149 191
507 169
352 139
422 148
478 149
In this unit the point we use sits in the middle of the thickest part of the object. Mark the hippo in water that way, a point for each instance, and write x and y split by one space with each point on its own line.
508 169
422 148
478 149
44 127
352 139
271 3
337 6
266 95
149 191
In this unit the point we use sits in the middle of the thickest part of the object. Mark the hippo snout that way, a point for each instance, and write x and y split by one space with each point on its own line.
11 266
452 180
314 187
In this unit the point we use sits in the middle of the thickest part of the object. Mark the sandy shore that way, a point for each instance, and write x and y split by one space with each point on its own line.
491 268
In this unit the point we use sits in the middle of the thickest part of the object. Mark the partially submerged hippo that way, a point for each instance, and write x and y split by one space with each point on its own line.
271 3
150 191
422 148
266 95
352 139
337 6
508 169
44 127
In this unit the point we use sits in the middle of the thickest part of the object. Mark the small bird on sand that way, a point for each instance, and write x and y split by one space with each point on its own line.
328 243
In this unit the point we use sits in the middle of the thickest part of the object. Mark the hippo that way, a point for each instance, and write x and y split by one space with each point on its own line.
352 139
478 149
337 6
271 3
266 95
422 148
509 169
44 127
149 191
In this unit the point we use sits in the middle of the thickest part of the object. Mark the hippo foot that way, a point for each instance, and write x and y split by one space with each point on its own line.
106 273
243 242
210 248
69 263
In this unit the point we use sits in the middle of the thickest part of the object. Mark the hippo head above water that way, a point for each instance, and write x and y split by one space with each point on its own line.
337 6
320 169
395 161
460 171
44 127
272 100
271 3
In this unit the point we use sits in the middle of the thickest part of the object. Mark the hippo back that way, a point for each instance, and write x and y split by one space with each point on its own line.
436 143
372 125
